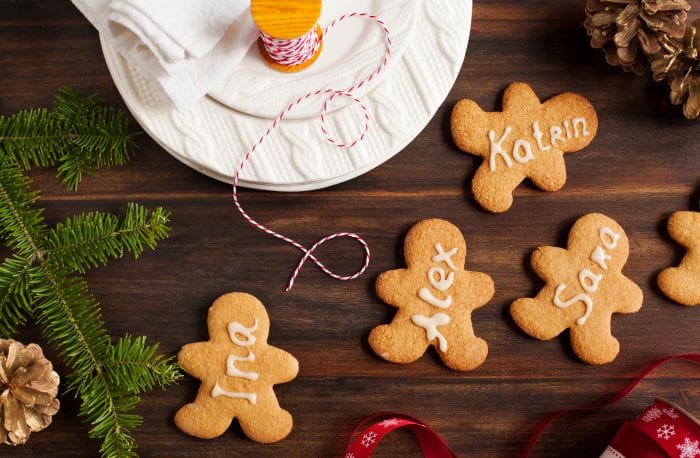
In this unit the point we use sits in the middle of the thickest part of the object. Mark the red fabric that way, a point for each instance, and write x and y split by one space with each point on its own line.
542 425
430 442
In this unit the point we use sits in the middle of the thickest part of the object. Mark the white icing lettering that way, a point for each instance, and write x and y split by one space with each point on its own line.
583 123
537 133
234 329
555 135
444 282
233 371
568 129
589 281
600 257
443 256
218 391
609 237
525 146
579 297
430 325
428 297
497 149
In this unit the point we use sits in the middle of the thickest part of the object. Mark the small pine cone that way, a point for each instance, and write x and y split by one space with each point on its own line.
684 75
623 27
28 387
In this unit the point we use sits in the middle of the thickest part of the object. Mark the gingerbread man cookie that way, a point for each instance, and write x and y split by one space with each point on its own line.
435 297
682 283
584 287
527 139
238 369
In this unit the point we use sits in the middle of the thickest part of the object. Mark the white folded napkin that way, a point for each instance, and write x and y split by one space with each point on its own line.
187 46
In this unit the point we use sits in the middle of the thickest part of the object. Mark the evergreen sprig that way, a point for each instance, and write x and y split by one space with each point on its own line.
79 135
41 281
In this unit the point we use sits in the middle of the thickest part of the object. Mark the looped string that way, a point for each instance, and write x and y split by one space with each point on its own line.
331 95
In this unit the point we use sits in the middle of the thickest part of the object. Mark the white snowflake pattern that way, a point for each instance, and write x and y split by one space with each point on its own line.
651 414
390 422
350 455
369 438
671 412
689 449
666 431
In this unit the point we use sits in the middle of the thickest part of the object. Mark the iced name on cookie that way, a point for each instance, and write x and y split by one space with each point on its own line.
435 297
528 139
237 368
584 287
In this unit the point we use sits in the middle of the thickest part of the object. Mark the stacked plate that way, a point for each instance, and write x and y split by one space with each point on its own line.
430 38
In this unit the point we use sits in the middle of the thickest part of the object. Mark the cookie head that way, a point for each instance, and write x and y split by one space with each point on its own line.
603 238
241 308
441 237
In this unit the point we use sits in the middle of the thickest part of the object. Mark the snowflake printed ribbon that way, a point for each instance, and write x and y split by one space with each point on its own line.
363 446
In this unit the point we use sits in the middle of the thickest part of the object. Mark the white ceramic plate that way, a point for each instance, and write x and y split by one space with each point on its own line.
211 137
352 52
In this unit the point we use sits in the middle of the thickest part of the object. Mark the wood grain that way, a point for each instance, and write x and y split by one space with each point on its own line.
642 166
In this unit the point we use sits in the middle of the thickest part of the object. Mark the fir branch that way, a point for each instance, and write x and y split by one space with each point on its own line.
20 224
135 365
80 134
37 280
33 138
91 239
15 306
71 320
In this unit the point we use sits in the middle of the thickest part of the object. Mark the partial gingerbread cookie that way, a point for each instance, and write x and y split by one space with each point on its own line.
435 297
584 287
527 139
238 370
682 283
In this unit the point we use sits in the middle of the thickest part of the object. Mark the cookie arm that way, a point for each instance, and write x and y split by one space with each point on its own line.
396 288
474 289
684 227
538 317
549 262
285 365
627 295
193 359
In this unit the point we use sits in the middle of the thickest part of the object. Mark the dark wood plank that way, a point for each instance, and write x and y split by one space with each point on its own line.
642 167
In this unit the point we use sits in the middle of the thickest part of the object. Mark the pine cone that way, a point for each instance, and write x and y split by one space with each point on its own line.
622 27
29 387
684 74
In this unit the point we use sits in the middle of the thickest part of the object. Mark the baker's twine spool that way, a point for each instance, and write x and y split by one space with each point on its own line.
330 95
290 37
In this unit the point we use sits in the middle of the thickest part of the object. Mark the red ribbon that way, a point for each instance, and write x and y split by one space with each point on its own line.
430 442
695 358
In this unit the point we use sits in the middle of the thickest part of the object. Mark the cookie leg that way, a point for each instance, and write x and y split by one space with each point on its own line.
550 175
465 355
494 192
267 424
680 285
202 421
399 342
594 342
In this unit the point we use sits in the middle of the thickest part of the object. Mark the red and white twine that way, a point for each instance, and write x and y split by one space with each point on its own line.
292 52
296 53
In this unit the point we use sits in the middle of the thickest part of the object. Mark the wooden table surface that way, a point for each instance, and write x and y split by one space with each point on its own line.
642 166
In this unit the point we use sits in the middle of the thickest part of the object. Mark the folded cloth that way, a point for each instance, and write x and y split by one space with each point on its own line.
187 46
